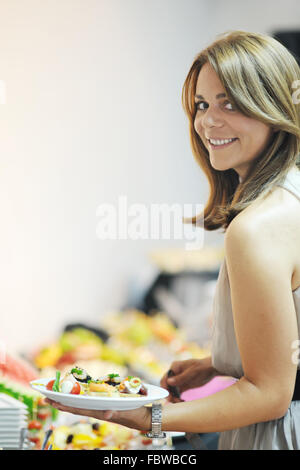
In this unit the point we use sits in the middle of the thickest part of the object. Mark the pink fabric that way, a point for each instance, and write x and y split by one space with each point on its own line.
215 385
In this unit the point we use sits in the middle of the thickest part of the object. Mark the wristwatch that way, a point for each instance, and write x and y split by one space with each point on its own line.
156 432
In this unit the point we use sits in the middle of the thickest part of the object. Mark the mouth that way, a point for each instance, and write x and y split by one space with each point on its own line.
221 143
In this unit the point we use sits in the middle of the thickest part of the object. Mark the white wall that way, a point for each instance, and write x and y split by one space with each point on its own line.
93 110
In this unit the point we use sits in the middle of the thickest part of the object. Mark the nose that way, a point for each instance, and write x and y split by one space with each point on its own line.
211 118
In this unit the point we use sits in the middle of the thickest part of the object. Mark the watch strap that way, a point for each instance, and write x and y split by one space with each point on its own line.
156 432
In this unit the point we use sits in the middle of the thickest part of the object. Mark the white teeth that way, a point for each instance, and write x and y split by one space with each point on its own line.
220 142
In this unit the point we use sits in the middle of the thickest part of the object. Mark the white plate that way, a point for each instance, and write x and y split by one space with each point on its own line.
15 422
9 432
100 403
8 440
13 418
9 403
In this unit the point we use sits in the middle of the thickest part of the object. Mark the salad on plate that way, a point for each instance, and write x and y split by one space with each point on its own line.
78 382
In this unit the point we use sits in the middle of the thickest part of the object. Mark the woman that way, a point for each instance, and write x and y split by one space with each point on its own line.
245 134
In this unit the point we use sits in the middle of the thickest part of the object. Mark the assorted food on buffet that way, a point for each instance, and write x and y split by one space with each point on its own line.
91 434
178 260
136 347
40 415
87 434
150 343
136 344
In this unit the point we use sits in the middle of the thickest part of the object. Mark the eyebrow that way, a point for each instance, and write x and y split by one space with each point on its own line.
220 95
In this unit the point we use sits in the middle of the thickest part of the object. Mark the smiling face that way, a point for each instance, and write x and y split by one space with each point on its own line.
232 139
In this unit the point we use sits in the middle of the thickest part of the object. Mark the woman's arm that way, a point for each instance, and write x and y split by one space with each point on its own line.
260 271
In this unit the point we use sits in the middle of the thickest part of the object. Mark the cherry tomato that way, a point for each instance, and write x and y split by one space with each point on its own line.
41 402
50 385
34 439
146 442
42 415
76 389
34 424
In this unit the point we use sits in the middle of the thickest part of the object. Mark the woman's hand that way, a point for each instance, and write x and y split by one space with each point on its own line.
190 373
139 418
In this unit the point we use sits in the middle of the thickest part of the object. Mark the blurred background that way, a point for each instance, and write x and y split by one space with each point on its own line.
92 111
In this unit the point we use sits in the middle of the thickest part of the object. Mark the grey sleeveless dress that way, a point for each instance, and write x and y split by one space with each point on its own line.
280 434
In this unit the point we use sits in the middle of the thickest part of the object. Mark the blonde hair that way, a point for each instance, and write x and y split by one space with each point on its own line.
257 73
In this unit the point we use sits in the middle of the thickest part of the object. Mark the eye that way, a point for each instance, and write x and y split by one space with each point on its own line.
231 107
201 105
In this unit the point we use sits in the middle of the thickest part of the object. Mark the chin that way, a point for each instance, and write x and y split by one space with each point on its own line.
220 165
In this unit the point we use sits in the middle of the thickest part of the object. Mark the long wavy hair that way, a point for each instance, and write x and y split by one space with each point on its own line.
258 74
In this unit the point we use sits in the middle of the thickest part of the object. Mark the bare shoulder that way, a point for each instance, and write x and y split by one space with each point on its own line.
270 229
260 263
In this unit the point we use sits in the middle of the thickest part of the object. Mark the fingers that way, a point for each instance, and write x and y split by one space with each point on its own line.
98 414
176 367
163 382
68 409
177 378
174 392
184 373
107 415
182 380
